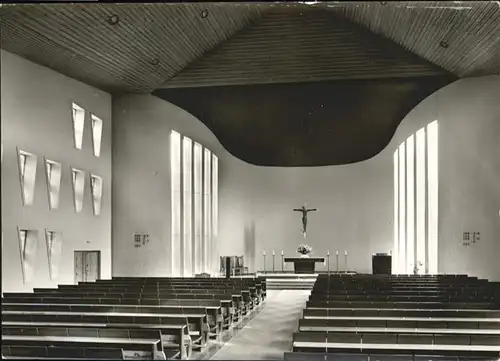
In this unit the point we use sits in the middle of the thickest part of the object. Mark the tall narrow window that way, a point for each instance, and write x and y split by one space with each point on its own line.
27 175
395 253
432 181
416 203
28 245
53 170
96 134
207 209
420 202
187 159
198 210
78 188
402 210
54 249
78 125
96 189
176 229
215 211
410 204
194 172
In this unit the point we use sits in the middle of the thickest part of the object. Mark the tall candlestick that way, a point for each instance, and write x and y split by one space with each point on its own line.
337 260
328 258
264 255
345 262
273 261
282 261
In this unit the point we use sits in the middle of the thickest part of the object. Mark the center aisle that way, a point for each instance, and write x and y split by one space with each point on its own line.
269 334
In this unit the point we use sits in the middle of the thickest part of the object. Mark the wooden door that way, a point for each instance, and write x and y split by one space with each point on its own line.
87 266
79 266
92 266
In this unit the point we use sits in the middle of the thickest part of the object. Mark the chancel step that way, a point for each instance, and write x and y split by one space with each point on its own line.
290 281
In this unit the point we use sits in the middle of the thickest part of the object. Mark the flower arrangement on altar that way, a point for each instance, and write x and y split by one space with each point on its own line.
304 249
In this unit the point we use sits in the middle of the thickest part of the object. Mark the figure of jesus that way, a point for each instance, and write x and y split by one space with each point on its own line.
304 211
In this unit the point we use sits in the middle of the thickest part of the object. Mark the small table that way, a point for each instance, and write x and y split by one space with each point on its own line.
304 265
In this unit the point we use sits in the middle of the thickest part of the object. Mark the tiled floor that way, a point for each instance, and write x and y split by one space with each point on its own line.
269 334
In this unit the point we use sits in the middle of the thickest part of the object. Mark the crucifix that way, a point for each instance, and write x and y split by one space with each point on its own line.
304 211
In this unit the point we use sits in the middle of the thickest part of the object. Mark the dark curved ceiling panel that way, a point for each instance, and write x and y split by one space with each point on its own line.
353 69
305 124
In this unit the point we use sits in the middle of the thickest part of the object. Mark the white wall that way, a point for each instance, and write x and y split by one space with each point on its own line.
354 213
255 203
141 179
468 113
36 117
355 202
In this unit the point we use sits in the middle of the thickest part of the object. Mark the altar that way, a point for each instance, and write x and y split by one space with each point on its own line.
304 265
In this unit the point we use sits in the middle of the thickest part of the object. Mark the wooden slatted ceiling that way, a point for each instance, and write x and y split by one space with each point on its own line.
150 44
470 28
294 45
76 40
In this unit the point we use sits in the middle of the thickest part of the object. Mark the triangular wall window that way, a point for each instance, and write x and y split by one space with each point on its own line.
78 115
96 134
28 245
96 188
78 177
27 175
53 171
54 250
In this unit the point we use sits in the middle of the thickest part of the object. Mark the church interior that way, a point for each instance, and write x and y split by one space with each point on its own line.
251 181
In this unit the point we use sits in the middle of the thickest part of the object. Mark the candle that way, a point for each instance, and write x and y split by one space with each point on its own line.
264 253
337 252
282 252
273 252
328 253
346 252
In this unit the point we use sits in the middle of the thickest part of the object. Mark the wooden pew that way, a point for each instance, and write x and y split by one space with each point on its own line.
256 286
173 330
196 323
422 313
237 298
249 297
403 305
177 310
408 317
230 303
339 356
58 352
174 337
133 342
488 345
144 300
402 325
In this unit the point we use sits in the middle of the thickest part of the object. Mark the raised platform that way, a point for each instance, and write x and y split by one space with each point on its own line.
288 280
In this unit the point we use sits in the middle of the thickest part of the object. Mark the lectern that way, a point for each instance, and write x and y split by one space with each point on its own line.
304 265
381 264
